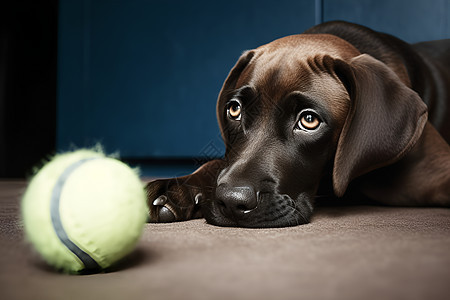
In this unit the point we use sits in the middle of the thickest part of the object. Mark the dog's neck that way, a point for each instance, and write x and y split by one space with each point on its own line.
403 183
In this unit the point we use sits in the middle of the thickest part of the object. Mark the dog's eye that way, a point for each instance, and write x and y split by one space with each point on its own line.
308 120
234 110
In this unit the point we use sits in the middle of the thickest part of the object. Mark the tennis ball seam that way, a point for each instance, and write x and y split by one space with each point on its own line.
89 262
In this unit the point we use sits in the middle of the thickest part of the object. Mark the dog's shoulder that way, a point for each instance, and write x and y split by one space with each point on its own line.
439 50
381 46
398 55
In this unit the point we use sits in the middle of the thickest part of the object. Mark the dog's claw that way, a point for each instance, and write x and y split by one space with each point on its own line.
198 198
160 201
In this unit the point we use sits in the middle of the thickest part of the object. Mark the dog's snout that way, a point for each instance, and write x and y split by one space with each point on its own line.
236 200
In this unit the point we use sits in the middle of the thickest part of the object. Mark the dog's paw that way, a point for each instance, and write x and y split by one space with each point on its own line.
163 213
172 200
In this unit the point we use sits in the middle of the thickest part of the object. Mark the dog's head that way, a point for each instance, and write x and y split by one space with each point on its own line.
296 109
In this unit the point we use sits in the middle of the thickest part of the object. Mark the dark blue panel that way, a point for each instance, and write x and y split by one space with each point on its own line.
142 77
411 20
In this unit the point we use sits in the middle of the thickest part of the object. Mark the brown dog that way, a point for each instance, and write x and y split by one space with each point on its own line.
340 103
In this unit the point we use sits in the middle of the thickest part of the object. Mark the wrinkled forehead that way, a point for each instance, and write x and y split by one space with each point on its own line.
312 44
290 62
295 63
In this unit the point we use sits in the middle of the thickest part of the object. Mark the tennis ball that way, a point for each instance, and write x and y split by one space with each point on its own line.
84 211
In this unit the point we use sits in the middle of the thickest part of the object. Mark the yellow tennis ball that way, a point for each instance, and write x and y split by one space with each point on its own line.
84 211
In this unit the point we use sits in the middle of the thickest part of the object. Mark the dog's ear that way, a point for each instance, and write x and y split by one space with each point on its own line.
230 83
385 120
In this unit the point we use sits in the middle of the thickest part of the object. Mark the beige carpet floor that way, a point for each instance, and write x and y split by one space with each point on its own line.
346 252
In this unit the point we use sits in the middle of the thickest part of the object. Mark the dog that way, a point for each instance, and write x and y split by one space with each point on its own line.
338 106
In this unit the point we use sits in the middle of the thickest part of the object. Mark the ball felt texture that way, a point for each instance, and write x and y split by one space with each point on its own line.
84 211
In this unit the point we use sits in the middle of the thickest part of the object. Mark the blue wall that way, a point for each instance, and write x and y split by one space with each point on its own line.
142 77
411 20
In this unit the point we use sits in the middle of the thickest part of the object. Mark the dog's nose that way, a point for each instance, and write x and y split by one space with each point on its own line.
236 200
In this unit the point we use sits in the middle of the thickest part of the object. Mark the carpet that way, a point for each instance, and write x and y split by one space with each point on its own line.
346 252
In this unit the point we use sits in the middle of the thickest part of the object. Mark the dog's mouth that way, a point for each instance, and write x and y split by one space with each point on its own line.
271 210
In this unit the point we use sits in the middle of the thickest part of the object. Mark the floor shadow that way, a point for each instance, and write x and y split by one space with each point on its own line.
139 256
351 203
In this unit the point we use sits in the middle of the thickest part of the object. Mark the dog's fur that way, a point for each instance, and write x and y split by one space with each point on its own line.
380 110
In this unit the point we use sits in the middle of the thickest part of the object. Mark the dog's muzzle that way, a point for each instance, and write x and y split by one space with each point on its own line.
243 206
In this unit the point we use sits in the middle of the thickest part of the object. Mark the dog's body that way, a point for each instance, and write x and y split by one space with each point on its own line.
340 103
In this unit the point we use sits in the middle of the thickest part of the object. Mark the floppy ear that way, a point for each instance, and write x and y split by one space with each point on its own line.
230 83
385 120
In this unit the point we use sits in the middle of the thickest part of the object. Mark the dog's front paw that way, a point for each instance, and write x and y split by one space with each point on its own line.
163 213
172 200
